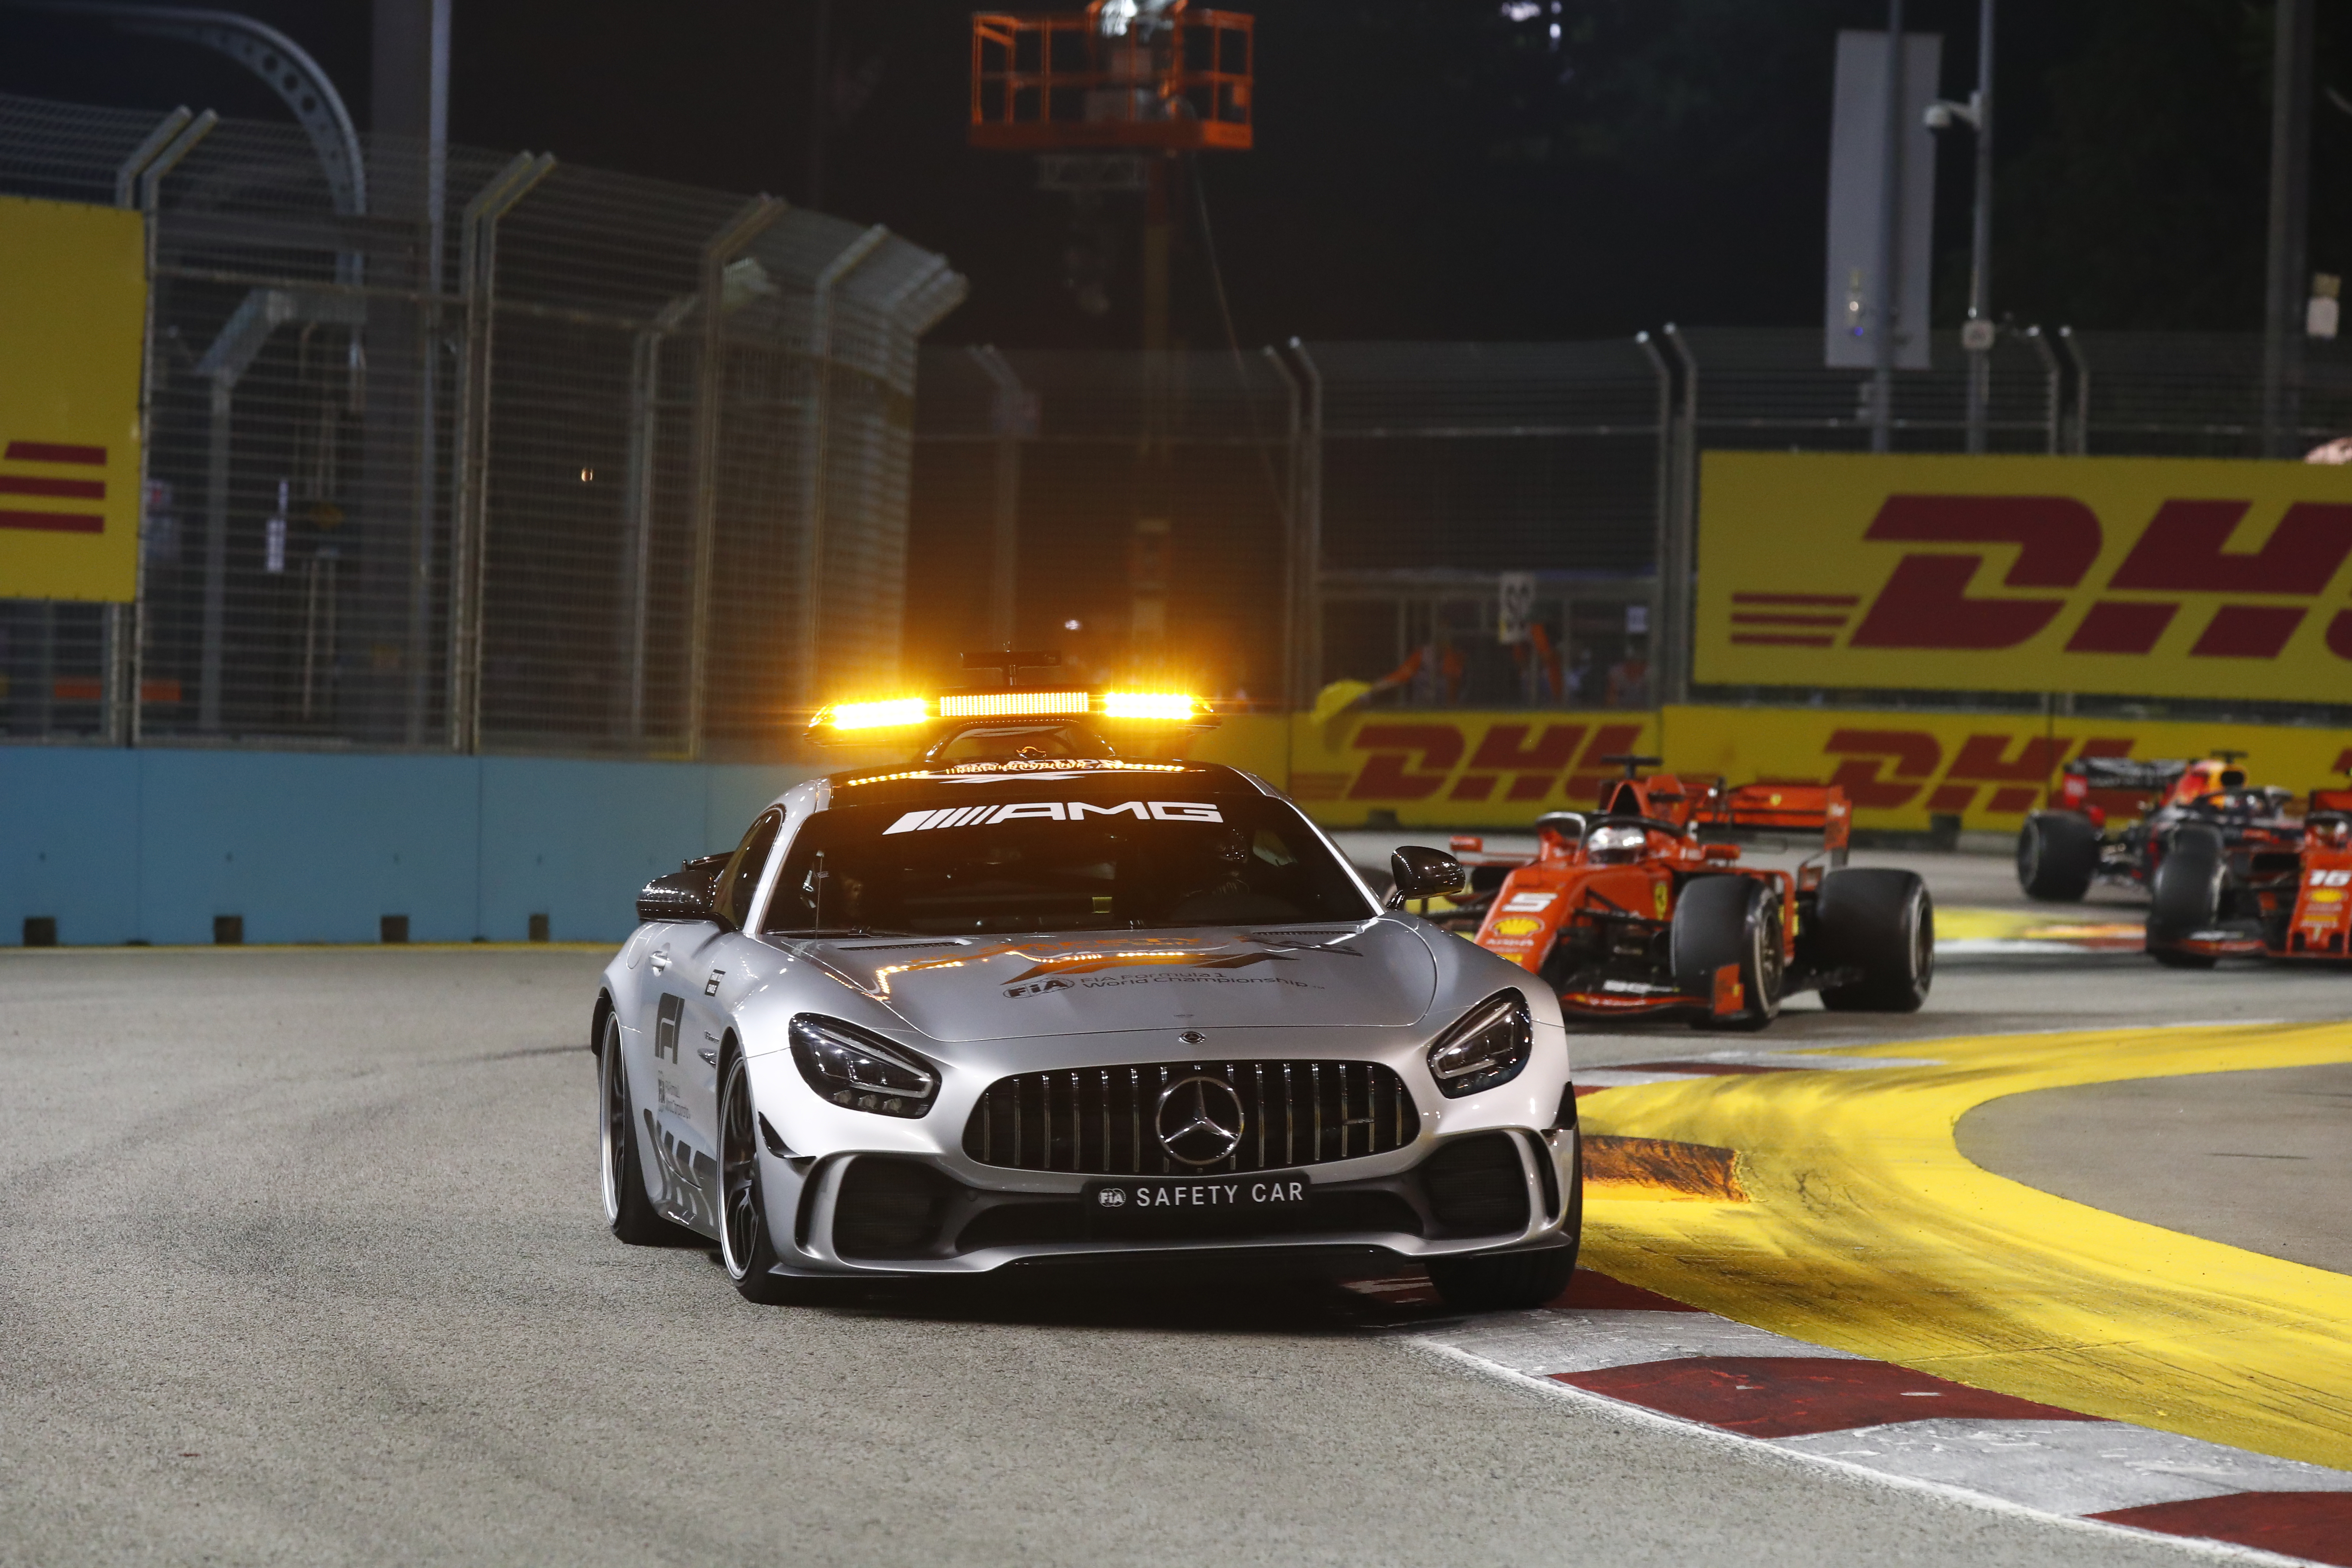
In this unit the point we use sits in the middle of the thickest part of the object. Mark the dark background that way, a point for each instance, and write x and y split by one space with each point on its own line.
1424 168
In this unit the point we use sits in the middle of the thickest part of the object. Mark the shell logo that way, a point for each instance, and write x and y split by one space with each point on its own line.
1517 925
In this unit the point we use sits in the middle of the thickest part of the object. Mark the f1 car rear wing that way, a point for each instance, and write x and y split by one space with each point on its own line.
2138 775
1785 805
2336 802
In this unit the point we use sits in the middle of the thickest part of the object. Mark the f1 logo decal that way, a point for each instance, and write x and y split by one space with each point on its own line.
665 1027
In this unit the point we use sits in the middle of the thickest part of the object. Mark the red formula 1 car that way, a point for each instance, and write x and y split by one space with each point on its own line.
1628 911
2231 869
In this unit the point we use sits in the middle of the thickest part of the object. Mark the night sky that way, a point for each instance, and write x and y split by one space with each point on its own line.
1424 168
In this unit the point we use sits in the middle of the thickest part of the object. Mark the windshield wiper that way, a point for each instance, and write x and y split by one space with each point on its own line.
849 931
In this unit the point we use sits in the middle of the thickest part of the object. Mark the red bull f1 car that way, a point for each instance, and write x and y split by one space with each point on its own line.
2231 869
1628 911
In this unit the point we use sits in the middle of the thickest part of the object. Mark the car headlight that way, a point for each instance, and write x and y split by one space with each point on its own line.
1489 1047
854 1069
1617 842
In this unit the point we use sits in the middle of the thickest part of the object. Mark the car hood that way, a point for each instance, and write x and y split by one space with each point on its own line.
1374 973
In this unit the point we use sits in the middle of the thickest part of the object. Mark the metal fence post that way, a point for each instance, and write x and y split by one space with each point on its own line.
1308 650
817 434
716 251
478 284
2079 441
645 442
2054 382
1010 418
1290 510
1671 636
1683 529
167 140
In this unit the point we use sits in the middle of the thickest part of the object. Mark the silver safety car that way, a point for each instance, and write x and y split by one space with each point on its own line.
1046 993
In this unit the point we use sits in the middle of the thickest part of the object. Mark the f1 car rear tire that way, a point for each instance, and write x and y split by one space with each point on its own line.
1881 921
745 1248
1723 920
627 1209
2184 895
2057 856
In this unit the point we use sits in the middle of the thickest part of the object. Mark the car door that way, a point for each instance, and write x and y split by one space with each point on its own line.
694 961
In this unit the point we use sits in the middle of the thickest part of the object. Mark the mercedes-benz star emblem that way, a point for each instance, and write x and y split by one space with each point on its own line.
1199 1119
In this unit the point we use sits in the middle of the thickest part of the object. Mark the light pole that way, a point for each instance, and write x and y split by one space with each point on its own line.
1889 255
1976 332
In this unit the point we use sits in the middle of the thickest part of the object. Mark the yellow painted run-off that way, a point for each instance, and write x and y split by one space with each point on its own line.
1868 1231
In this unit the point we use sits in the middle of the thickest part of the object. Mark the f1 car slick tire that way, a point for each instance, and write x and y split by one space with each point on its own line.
627 1209
1725 920
2184 895
1882 922
2057 856
744 1245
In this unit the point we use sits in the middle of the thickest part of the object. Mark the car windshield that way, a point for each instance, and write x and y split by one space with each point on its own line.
1049 859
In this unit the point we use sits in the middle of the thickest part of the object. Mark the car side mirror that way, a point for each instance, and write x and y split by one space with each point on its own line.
1421 873
688 893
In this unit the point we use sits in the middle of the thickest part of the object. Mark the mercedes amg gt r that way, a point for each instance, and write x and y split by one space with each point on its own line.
1044 992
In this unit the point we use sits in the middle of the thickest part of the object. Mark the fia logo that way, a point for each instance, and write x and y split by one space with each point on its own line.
1038 988
1111 1198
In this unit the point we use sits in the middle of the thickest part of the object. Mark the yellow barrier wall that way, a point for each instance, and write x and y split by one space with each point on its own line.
73 303
2184 577
1453 769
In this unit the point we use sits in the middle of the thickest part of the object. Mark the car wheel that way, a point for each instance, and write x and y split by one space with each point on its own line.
744 1245
2057 856
627 1209
1882 922
1503 1281
1729 920
2185 894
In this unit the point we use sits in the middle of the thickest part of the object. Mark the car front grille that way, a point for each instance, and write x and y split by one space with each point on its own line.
1102 1121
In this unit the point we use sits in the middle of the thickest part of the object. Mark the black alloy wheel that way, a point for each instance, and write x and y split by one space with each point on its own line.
627 1210
743 1242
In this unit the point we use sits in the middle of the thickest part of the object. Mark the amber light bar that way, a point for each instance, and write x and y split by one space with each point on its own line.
1007 704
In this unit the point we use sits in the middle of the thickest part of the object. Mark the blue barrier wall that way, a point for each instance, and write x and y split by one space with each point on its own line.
151 845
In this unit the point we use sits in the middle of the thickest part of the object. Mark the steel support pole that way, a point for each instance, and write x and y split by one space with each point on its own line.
645 445
2286 281
1004 521
119 718
1292 699
2080 438
478 284
1309 649
1669 637
717 252
817 460
1889 253
1684 531
1981 239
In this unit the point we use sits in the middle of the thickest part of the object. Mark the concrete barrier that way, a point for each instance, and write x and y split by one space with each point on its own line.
156 845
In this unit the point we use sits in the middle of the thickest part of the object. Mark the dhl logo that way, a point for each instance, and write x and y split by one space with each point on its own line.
46 485
1926 602
1529 763
2144 577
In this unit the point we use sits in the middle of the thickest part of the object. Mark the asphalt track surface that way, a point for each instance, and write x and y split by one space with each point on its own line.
302 1261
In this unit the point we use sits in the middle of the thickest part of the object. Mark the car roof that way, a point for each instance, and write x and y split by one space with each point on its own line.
906 784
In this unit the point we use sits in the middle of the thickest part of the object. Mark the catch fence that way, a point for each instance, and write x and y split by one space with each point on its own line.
494 452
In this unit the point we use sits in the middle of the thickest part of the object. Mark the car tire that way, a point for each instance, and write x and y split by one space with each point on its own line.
745 1248
2185 894
1723 920
1882 922
627 1209
2057 856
